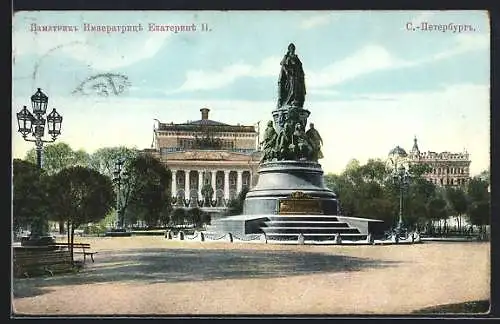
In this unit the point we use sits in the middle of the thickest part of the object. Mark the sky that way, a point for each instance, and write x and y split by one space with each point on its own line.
374 79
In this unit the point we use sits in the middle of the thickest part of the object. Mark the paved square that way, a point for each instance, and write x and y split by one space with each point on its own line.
150 275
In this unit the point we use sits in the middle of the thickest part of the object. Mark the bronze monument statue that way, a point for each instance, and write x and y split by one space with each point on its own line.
316 142
290 201
292 88
269 142
286 139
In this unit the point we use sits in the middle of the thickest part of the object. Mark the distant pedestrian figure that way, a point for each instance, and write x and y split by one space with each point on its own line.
181 235
338 239
369 238
301 239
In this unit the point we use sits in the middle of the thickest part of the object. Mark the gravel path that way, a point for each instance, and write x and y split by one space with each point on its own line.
149 275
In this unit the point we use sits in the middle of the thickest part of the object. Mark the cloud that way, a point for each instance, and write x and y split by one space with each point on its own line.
215 79
370 58
100 52
316 20
449 118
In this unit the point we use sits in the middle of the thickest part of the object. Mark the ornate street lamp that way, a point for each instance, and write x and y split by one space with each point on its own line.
34 123
401 177
120 176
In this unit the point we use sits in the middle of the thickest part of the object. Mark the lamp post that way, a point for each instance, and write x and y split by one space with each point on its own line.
33 124
401 177
120 176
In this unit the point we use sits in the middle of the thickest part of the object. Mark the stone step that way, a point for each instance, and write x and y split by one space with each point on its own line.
309 218
308 223
315 237
311 230
316 234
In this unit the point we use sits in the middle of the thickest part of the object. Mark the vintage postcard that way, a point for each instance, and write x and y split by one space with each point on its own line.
210 163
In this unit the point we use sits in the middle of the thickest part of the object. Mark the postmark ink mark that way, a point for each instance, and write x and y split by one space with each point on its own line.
104 84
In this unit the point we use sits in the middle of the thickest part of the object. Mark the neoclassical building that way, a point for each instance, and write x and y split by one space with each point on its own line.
205 152
448 169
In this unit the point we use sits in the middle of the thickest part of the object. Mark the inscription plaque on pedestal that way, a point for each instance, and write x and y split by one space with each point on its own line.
300 203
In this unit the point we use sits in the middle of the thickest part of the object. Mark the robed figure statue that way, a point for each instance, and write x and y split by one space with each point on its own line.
292 88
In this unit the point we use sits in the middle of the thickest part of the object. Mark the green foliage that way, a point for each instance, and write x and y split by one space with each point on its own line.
58 156
479 213
104 159
95 228
479 201
194 216
178 216
206 218
30 202
150 195
418 170
235 206
83 195
207 192
436 209
369 191
477 190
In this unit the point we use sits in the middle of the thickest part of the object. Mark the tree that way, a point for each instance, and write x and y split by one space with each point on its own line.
235 206
479 214
479 201
457 201
207 193
83 196
104 159
436 209
58 156
419 194
150 192
477 190
194 217
29 200
178 216
206 218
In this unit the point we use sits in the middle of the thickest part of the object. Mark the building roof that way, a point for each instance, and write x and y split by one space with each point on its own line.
415 149
207 122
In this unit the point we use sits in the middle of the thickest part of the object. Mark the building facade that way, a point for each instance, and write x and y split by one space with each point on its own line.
207 152
447 169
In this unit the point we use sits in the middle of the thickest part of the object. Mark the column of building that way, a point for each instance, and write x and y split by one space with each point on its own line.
186 184
213 179
201 177
200 183
239 181
174 183
226 184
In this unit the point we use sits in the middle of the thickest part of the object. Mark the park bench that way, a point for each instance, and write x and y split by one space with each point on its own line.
85 249
29 261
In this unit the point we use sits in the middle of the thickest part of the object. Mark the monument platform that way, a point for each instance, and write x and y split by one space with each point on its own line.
288 228
290 202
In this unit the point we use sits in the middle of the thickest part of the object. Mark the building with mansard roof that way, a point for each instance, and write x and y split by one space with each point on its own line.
447 168
207 152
